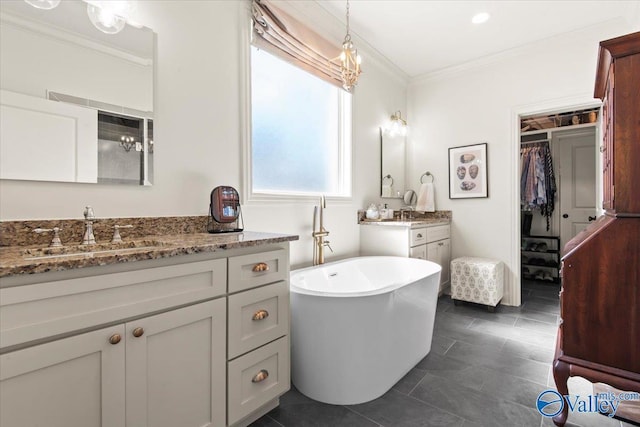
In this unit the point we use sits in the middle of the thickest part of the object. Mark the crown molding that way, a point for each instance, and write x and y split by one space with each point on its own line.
510 53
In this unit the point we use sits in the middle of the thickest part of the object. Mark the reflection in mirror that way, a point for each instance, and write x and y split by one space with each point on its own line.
74 98
392 183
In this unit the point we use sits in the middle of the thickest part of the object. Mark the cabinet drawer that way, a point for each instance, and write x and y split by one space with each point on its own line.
256 378
258 316
42 310
250 271
418 237
418 252
438 232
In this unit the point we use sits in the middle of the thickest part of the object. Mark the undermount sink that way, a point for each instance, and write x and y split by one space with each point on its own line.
89 250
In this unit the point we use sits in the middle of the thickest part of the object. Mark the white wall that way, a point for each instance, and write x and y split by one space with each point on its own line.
198 135
477 103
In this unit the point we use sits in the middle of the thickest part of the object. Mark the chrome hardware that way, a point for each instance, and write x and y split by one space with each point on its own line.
115 339
602 148
137 332
89 217
261 266
260 315
260 376
55 242
407 209
116 232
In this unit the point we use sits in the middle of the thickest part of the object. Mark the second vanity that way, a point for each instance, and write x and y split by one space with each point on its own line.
428 239
194 332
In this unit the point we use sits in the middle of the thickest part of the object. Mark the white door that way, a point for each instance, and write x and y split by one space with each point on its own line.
72 382
176 367
577 181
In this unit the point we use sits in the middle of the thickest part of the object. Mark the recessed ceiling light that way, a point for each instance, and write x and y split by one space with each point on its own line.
480 18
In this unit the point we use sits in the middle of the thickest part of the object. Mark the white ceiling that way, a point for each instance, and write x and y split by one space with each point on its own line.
422 36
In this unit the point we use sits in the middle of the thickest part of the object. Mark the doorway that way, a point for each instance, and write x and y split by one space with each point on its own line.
571 134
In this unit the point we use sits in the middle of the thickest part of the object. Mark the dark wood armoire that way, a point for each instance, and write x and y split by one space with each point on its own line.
599 332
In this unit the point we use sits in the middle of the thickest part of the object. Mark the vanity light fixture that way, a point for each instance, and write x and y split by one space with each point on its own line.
109 16
43 4
397 125
349 60
127 142
480 18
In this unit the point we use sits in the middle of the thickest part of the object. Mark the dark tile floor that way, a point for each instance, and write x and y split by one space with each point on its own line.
484 369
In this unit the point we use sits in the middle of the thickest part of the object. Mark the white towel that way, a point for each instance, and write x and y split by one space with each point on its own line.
425 198
386 190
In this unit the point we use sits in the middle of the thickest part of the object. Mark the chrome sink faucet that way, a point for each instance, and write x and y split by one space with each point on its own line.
407 209
319 241
89 217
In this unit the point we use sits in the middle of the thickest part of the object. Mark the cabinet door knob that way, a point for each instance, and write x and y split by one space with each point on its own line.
419 236
565 215
138 332
260 314
115 339
260 376
261 266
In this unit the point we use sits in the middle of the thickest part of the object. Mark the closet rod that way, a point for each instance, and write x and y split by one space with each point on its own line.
545 141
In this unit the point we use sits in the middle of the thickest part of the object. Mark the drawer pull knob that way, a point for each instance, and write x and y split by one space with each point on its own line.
261 266
115 339
138 332
260 314
260 376
419 236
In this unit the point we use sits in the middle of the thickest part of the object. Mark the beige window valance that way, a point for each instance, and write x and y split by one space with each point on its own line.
280 34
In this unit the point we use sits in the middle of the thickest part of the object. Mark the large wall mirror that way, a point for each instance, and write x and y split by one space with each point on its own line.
393 154
77 104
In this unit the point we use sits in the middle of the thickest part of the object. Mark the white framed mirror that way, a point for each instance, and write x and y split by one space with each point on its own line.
60 77
392 155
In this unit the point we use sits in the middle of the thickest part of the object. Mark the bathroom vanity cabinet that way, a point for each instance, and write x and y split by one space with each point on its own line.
600 296
416 240
195 340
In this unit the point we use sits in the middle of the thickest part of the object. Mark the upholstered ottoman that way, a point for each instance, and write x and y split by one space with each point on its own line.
479 280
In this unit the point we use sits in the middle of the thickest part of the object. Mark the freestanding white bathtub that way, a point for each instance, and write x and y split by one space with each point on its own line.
359 325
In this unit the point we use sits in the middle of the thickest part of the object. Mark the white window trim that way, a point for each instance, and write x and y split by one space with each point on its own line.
345 128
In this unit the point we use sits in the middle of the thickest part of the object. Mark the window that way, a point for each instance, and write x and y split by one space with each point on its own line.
300 131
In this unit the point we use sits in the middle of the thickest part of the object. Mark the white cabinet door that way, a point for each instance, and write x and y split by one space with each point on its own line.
444 247
71 382
440 253
419 252
176 367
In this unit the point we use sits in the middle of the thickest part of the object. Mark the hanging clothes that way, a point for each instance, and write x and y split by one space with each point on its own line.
537 180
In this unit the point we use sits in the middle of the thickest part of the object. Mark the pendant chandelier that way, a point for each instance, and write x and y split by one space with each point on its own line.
349 60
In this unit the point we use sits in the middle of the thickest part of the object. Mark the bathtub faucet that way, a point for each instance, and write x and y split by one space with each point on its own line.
320 233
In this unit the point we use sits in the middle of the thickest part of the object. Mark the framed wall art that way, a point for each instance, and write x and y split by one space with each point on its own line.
468 172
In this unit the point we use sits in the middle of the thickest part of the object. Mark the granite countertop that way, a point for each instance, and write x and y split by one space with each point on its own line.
410 223
15 260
